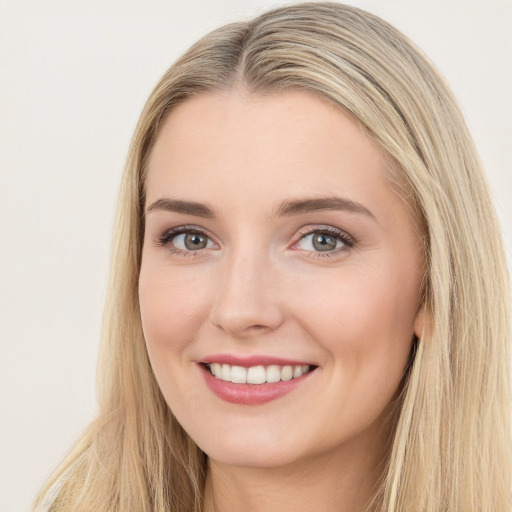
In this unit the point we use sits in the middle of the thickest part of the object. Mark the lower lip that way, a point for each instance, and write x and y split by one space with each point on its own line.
250 394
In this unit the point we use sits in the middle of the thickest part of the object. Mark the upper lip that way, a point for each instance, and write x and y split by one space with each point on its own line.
254 360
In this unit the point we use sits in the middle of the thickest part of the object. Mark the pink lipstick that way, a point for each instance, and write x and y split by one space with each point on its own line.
253 380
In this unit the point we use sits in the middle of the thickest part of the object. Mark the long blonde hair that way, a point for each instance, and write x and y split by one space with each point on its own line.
451 449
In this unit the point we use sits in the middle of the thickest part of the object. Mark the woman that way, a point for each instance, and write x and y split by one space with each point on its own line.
303 311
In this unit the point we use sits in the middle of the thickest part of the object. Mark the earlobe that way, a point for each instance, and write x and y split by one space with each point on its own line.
420 323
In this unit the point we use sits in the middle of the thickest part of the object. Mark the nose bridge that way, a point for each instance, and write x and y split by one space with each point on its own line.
246 301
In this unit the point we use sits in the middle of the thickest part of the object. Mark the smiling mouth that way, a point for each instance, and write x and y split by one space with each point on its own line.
257 374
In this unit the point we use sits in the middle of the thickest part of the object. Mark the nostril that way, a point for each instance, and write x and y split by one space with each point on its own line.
248 330
243 322
258 327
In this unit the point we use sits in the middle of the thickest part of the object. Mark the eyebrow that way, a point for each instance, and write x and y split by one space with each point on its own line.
304 206
185 207
284 209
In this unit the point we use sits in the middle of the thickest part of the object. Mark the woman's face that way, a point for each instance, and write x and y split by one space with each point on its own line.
275 250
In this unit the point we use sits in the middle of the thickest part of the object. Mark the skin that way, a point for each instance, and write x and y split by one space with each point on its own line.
261 287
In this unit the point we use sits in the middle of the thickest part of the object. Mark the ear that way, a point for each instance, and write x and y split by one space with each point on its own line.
420 323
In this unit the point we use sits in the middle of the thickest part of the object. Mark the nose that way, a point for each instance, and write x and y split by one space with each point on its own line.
247 301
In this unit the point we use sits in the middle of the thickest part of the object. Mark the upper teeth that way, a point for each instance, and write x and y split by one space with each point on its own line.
256 374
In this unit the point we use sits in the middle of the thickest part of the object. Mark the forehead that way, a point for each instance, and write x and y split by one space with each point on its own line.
287 139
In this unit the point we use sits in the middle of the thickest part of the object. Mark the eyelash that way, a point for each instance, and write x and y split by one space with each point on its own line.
166 238
344 237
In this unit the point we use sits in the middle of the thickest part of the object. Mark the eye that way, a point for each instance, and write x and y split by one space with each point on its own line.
325 240
185 240
191 241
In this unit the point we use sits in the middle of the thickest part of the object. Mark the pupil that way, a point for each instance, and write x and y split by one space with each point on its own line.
194 241
323 242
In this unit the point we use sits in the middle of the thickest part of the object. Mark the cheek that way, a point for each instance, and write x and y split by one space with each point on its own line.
361 301
172 307
171 304
366 320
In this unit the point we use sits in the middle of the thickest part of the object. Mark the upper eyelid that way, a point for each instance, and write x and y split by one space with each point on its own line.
179 230
308 230
318 227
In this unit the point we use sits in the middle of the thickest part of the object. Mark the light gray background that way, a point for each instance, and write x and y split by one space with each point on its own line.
74 75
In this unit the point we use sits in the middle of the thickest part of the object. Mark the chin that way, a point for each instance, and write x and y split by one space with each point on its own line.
255 448
251 457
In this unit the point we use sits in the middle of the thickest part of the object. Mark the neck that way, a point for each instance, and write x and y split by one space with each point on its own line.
342 480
